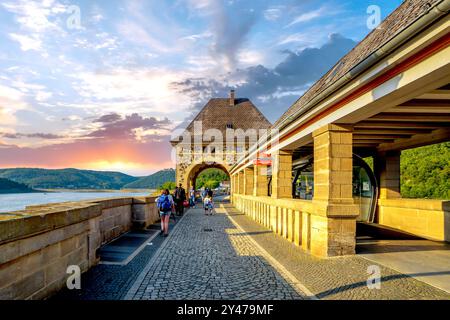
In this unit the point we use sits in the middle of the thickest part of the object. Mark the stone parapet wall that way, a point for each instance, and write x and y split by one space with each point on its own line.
144 212
426 218
39 243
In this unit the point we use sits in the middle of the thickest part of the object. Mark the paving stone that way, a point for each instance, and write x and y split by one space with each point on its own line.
224 264
338 277
218 264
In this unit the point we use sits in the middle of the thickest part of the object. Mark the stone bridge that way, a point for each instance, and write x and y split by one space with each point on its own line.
301 190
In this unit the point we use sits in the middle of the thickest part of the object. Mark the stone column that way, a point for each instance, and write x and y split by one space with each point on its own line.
333 224
387 170
248 181
241 182
232 184
260 180
282 174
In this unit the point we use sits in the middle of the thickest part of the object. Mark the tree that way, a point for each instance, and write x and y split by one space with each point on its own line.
170 185
210 178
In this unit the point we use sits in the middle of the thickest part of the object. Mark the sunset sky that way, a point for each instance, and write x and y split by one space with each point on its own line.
107 93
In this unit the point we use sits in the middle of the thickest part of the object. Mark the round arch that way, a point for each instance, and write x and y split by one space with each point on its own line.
192 172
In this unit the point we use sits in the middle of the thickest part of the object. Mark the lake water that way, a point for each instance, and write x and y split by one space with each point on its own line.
18 201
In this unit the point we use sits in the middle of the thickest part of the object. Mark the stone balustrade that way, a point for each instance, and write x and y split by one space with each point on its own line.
39 243
299 221
289 218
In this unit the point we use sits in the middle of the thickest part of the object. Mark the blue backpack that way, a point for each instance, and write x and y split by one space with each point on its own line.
164 203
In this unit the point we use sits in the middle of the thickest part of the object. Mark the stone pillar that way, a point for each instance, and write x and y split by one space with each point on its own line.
260 185
387 170
241 182
282 174
333 224
248 181
232 184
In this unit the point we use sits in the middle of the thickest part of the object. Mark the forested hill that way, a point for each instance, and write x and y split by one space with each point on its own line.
153 181
67 178
8 186
425 172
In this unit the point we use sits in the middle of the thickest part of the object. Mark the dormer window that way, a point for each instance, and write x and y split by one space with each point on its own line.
229 125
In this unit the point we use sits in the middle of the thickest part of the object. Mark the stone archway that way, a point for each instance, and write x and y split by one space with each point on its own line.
189 175
200 168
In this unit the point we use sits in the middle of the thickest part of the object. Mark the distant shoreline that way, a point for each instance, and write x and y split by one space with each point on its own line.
97 190
150 191
19 191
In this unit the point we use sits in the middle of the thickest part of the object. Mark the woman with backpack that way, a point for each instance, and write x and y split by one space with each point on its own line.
165 206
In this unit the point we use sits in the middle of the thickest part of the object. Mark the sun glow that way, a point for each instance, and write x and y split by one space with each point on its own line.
116 165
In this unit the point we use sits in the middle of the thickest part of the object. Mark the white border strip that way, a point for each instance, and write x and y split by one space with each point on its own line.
137 283
289 277
135 252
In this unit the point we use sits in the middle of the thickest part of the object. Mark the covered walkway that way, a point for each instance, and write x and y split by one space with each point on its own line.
207 257
230 256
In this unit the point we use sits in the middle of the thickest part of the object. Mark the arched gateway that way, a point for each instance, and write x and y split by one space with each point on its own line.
217 137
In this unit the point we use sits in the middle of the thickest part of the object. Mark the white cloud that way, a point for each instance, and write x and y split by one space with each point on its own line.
34 15
273 13
98 17
250 58
43 96
308 16
10 93
11 100
195 37
135 33
27 42
27 87
143 90
302 37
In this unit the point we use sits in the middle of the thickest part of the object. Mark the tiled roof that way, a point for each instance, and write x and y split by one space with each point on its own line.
218 113
397 21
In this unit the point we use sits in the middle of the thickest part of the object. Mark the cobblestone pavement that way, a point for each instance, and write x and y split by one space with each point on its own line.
334 278
207 257
112 282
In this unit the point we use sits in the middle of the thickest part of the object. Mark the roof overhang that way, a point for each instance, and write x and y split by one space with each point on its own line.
403 52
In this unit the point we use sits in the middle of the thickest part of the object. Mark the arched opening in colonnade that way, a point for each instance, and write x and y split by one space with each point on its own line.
200 169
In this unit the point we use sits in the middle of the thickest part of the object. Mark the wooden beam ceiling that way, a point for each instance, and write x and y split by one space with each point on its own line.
436 94
389 131
408 117
396 125
418 140
376 136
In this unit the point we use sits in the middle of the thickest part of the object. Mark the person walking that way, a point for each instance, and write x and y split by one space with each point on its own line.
165 205
208 204
180 197
204 194
192 198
